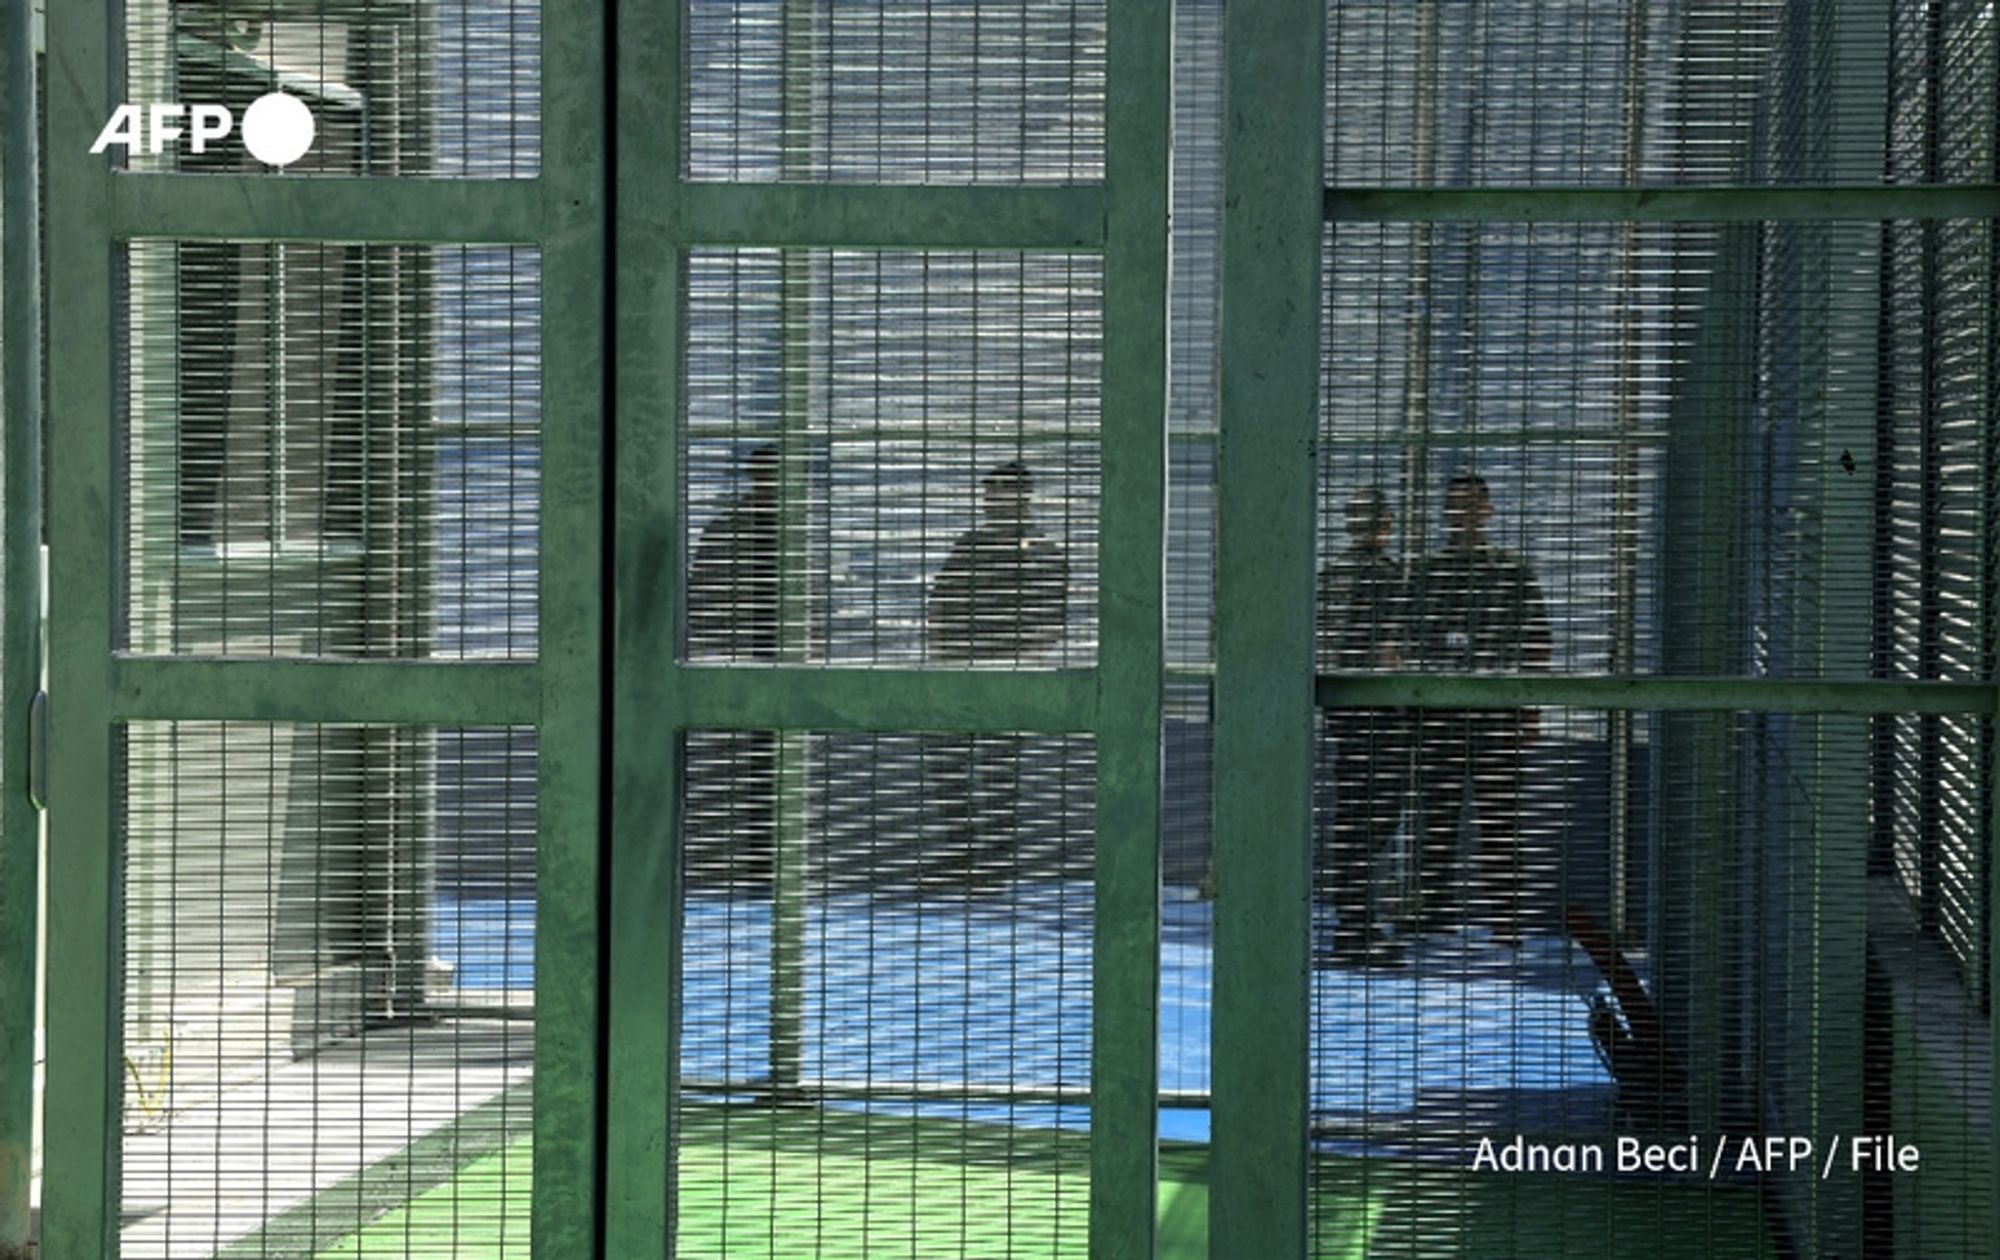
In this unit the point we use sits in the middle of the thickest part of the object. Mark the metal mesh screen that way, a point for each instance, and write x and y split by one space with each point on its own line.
1594 93
1732 451
1645 456
1647 406
328 978
1694 1016
895 92
1542 358
331 450
896 928
892 458
1938 527
442 88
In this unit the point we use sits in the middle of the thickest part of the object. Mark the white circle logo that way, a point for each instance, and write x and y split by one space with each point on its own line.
278 129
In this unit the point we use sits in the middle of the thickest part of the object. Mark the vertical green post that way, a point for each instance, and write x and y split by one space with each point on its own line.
1131 621
85 973
646 281
20 605
1271 225
569 869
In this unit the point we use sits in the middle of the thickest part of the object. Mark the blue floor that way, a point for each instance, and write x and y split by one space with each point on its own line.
944 992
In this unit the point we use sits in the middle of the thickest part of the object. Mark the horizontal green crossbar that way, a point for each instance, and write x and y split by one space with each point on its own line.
1755 695
886 700
309 208
1659 205
467 211
838 215
468 694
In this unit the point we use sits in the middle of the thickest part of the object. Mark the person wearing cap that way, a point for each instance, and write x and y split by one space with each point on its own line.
1002 597
1477 608
1003 593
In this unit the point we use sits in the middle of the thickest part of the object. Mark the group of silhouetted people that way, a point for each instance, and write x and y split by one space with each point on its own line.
1469 607
1002 595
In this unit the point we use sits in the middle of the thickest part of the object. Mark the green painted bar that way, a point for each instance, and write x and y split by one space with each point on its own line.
1499 438
569 875
1131 636
846 216
645 709
20 604
745 698
1264 594
1662 694
1720 204
473 693
311 208
85 980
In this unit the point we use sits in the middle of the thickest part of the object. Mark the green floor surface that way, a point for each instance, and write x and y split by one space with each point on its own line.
818 1184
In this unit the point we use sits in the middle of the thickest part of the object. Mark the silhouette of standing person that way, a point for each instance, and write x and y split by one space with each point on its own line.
1363 624
1003 593
732 615
1002 597
1477 609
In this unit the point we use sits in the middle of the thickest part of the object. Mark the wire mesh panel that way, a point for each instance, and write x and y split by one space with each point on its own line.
1753 451
447 88
1525 1034
892 458
894 930
896 92
1499 352
1938 529
328 982
1644 457
1512 93
331 450
1611 388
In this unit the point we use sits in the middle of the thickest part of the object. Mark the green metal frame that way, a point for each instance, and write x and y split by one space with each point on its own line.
617 1079
659 216
20 613
93 210
1264 591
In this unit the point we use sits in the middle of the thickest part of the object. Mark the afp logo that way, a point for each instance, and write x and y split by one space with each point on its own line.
277 128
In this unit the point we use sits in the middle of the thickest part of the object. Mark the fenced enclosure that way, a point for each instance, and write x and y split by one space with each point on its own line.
781 628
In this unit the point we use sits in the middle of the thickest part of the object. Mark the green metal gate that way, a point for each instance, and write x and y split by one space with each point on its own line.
888 212
563 769
274 747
